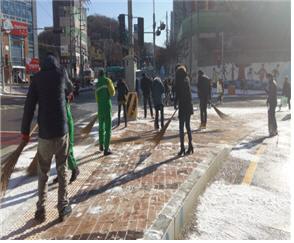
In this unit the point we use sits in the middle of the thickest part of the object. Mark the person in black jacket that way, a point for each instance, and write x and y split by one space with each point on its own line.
204 94
183 98
122 91
146 84
157 96
48 91
272 104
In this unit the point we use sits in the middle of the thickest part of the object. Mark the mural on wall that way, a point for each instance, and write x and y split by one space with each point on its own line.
254 73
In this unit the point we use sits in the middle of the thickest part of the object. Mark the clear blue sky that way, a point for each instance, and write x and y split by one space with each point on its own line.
112 8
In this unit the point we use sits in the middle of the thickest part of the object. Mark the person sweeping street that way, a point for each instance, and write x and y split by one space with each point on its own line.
122 91
157 96
48 91
204 94
183 98
104 91
71 161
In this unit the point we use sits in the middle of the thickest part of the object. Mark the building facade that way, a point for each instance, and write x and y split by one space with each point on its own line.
19 40
70 16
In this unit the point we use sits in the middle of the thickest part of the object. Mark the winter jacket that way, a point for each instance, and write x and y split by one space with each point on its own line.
122 91
157 92
146 84
183 93
47 89
272 93
204 87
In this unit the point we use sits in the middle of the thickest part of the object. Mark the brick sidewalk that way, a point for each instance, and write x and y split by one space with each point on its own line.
119 196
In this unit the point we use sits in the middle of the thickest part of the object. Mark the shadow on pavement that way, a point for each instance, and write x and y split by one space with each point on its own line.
287 117
120 180
251 144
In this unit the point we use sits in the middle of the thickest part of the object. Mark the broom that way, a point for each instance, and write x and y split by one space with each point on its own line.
220 114
32 169
157 138
87 129
10 162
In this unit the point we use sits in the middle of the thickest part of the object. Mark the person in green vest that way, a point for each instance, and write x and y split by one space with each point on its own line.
104 91
71 161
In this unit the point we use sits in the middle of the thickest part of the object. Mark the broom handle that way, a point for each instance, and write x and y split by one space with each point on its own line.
34 129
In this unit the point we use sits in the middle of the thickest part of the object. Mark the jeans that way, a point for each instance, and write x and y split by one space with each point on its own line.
46 149
203 110
147 98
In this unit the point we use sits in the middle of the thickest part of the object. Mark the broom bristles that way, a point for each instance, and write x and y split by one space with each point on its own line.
32 169
220 114
9 163
157 138
87 129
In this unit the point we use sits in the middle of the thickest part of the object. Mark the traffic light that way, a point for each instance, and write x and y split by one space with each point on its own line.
122 28
162 26
141 32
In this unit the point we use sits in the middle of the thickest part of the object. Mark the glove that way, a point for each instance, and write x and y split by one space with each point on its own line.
25 137
70 97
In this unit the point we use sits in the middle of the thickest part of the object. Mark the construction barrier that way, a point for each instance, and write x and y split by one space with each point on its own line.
132 105
231 89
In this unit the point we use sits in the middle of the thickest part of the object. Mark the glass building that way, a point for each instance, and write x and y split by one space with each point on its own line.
22 11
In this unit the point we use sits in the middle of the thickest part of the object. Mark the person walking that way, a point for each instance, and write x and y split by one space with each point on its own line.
272 104
104 91
48 91
220 90
122 91
146 84
183 98
204 94
71 161
158 96
287 91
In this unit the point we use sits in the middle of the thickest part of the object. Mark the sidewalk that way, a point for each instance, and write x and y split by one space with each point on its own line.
120 196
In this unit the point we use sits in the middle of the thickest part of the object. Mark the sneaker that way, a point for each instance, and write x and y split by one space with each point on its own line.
64 213
107 152
40 215
74 174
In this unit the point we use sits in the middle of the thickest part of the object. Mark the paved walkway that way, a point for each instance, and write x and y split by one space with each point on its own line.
119 196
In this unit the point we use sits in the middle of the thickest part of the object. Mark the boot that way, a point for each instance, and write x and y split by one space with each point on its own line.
101 147
64 213
107 152
190 149
40 215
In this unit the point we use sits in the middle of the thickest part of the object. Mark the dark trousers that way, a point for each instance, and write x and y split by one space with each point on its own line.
157 109
272 123
125 113
289 102
185 120
203 110
147 98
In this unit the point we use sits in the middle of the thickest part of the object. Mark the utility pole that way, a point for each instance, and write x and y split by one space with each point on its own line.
166 23
70 38
154 26
191 42
81 55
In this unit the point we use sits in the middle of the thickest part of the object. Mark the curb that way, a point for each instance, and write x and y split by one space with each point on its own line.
176 214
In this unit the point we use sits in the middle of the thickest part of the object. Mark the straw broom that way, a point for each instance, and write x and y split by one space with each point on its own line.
32 169
220 114
157 138
9 163
87 129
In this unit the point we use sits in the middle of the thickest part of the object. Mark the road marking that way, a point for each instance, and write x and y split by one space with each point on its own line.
252 166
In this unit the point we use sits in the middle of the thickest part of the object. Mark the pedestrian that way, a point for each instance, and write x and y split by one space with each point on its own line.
71 161
146 84
183 98
272 104
287 91
220 90
261 73
104 91
158 96
204 94
48 91
122 91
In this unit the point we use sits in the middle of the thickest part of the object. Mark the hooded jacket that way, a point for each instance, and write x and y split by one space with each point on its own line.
48 91
157 92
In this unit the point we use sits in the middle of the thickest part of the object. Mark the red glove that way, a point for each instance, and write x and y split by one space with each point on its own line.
25 137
